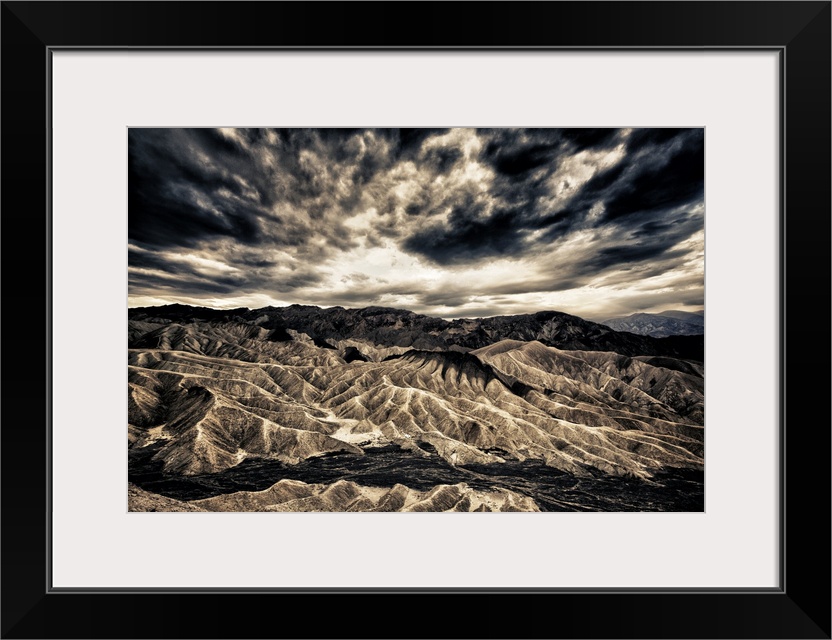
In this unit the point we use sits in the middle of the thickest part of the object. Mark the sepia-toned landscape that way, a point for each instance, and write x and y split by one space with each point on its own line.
416 320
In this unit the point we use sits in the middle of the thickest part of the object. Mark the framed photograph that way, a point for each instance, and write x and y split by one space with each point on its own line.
530 259
360 319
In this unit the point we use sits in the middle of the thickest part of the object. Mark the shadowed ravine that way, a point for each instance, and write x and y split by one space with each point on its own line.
671 490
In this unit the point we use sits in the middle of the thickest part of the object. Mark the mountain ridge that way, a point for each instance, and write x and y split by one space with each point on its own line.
389 327
660 325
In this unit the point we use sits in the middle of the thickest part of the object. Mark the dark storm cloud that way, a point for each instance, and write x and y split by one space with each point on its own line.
444 298
516 152
290 212
662 178
187 185
661 169
694 301
582 139
191 286
182 189
614 256
148 260
409 141
359 295
466 237
442 159
185 281
235 197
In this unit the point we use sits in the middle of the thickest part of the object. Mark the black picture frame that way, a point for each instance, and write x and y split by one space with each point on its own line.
799 31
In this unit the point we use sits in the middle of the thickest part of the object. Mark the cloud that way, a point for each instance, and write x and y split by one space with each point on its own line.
441 221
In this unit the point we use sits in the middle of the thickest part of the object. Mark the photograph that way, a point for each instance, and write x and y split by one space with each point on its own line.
454 264
416 320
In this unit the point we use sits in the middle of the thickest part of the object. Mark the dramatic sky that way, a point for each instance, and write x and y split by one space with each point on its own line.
451 223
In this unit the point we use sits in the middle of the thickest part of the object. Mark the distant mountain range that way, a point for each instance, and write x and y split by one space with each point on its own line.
399 328
660 325
307 409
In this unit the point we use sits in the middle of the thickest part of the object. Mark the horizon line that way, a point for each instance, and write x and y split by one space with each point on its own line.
378 306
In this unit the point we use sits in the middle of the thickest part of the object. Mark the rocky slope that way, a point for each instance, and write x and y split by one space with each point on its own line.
206 394
140 500
293 495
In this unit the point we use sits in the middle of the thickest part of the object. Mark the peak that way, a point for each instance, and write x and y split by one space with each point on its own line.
499 347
